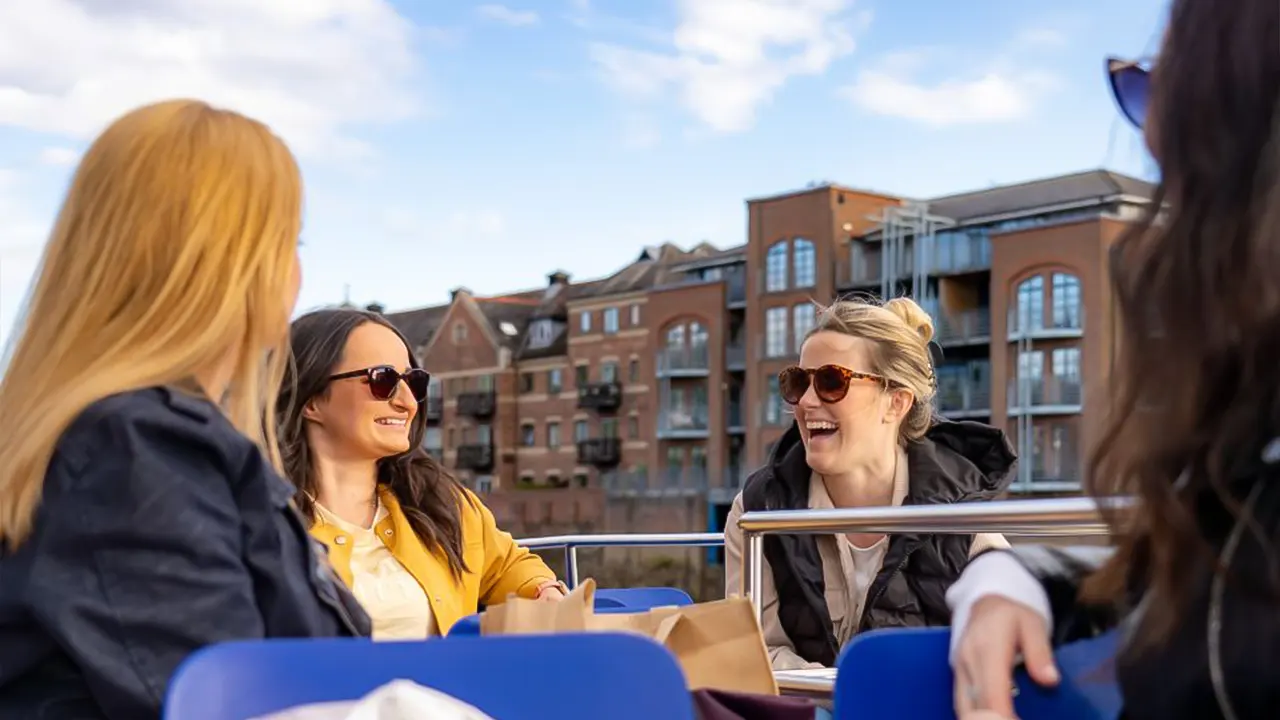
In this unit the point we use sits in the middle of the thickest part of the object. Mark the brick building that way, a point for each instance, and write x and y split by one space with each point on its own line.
640 401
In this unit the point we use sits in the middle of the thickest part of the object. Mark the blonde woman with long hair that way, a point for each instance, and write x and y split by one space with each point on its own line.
140 514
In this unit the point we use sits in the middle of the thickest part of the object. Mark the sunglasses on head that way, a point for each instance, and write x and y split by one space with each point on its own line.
384 380
1130 82
830 382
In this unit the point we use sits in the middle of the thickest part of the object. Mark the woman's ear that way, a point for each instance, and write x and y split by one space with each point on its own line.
900 403
311 412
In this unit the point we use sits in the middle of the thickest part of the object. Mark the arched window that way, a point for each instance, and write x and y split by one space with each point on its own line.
1066 301
1029 312
775 267
804 263
675 336
697 334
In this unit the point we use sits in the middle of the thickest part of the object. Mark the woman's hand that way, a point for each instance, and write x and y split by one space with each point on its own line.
998 631
551 592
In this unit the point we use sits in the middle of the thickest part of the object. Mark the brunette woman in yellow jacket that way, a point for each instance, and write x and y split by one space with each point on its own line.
418 550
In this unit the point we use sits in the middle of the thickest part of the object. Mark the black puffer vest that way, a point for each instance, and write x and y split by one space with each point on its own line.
954 462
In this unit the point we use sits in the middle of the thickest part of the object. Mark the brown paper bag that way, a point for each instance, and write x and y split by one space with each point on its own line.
718 644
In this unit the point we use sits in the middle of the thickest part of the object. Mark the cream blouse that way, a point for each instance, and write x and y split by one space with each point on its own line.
394 600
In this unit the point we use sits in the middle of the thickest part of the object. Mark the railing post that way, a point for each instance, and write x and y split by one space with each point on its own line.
753 570
571 566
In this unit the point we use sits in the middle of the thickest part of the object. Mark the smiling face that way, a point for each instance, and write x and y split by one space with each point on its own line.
839 436
348 420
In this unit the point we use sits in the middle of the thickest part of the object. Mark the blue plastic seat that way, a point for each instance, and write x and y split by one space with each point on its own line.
906 674
582 676
608 600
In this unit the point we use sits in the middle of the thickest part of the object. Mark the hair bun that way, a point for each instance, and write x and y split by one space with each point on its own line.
913 315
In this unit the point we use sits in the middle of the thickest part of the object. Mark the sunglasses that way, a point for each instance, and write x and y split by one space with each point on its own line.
384 381
1130 82
830 382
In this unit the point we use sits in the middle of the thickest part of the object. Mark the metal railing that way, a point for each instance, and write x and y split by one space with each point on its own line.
571 543
1036 518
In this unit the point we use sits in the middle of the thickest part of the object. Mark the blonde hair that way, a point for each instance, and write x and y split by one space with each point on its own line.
899 332
171 255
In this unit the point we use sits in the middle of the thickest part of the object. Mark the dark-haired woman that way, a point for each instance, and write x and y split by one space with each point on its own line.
1195 433
418 550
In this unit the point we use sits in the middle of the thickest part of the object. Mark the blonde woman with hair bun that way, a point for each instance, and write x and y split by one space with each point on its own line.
864 435
142 516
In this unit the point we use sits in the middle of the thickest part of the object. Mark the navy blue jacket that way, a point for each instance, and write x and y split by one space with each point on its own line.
161 529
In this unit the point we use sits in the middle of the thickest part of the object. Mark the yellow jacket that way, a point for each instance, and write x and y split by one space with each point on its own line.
496 565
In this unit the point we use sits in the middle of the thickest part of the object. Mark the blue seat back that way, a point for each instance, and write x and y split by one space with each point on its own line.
513 677
608 600
644 598
905 673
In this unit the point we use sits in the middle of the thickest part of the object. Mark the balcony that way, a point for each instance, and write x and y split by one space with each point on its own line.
434 409
601 396
1045 396
960 396
734 421
683 421
475 457
1031 324
734 478
476 404
1055 464
735 354
666 483
956 252
967 327
683 361
859 265
601 452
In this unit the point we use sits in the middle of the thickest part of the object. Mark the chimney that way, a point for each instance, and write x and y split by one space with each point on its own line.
376 307
453 294
558 277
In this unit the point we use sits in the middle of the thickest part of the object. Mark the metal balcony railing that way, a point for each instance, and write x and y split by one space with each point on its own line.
964 327
683 360
1044 394
477 403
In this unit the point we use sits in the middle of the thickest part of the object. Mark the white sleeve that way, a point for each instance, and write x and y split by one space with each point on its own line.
994 573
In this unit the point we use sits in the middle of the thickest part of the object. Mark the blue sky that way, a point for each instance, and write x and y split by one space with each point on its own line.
478 144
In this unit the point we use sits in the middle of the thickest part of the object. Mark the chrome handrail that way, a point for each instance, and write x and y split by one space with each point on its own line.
571 543
1056 517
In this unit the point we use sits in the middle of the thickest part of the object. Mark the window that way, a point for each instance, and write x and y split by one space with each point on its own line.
581 376
555 381
484 435
609 428
526 382
675 459
1066 301
609 372
611 320
635 314
553 435
775 332
1028 384
541 333
459 332
1066 364
484 484
698 458
1030 305
675 336
553 480
484 383
580 431
580 480
803 263
431 440
633 371
697 335
775 267
527 432
802 320
633 428
584 321
434 388
773 402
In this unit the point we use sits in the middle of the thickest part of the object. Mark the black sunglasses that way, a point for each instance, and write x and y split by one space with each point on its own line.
1130 82
384 380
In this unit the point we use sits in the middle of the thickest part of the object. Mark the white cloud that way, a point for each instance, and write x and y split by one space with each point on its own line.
312 70
1000 89
508 16
21 242
59 156
729 57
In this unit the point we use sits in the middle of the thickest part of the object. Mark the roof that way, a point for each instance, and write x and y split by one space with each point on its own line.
1047 192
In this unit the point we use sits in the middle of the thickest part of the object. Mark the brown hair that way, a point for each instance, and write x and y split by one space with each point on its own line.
1197 378
899 331
429 496
169 254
